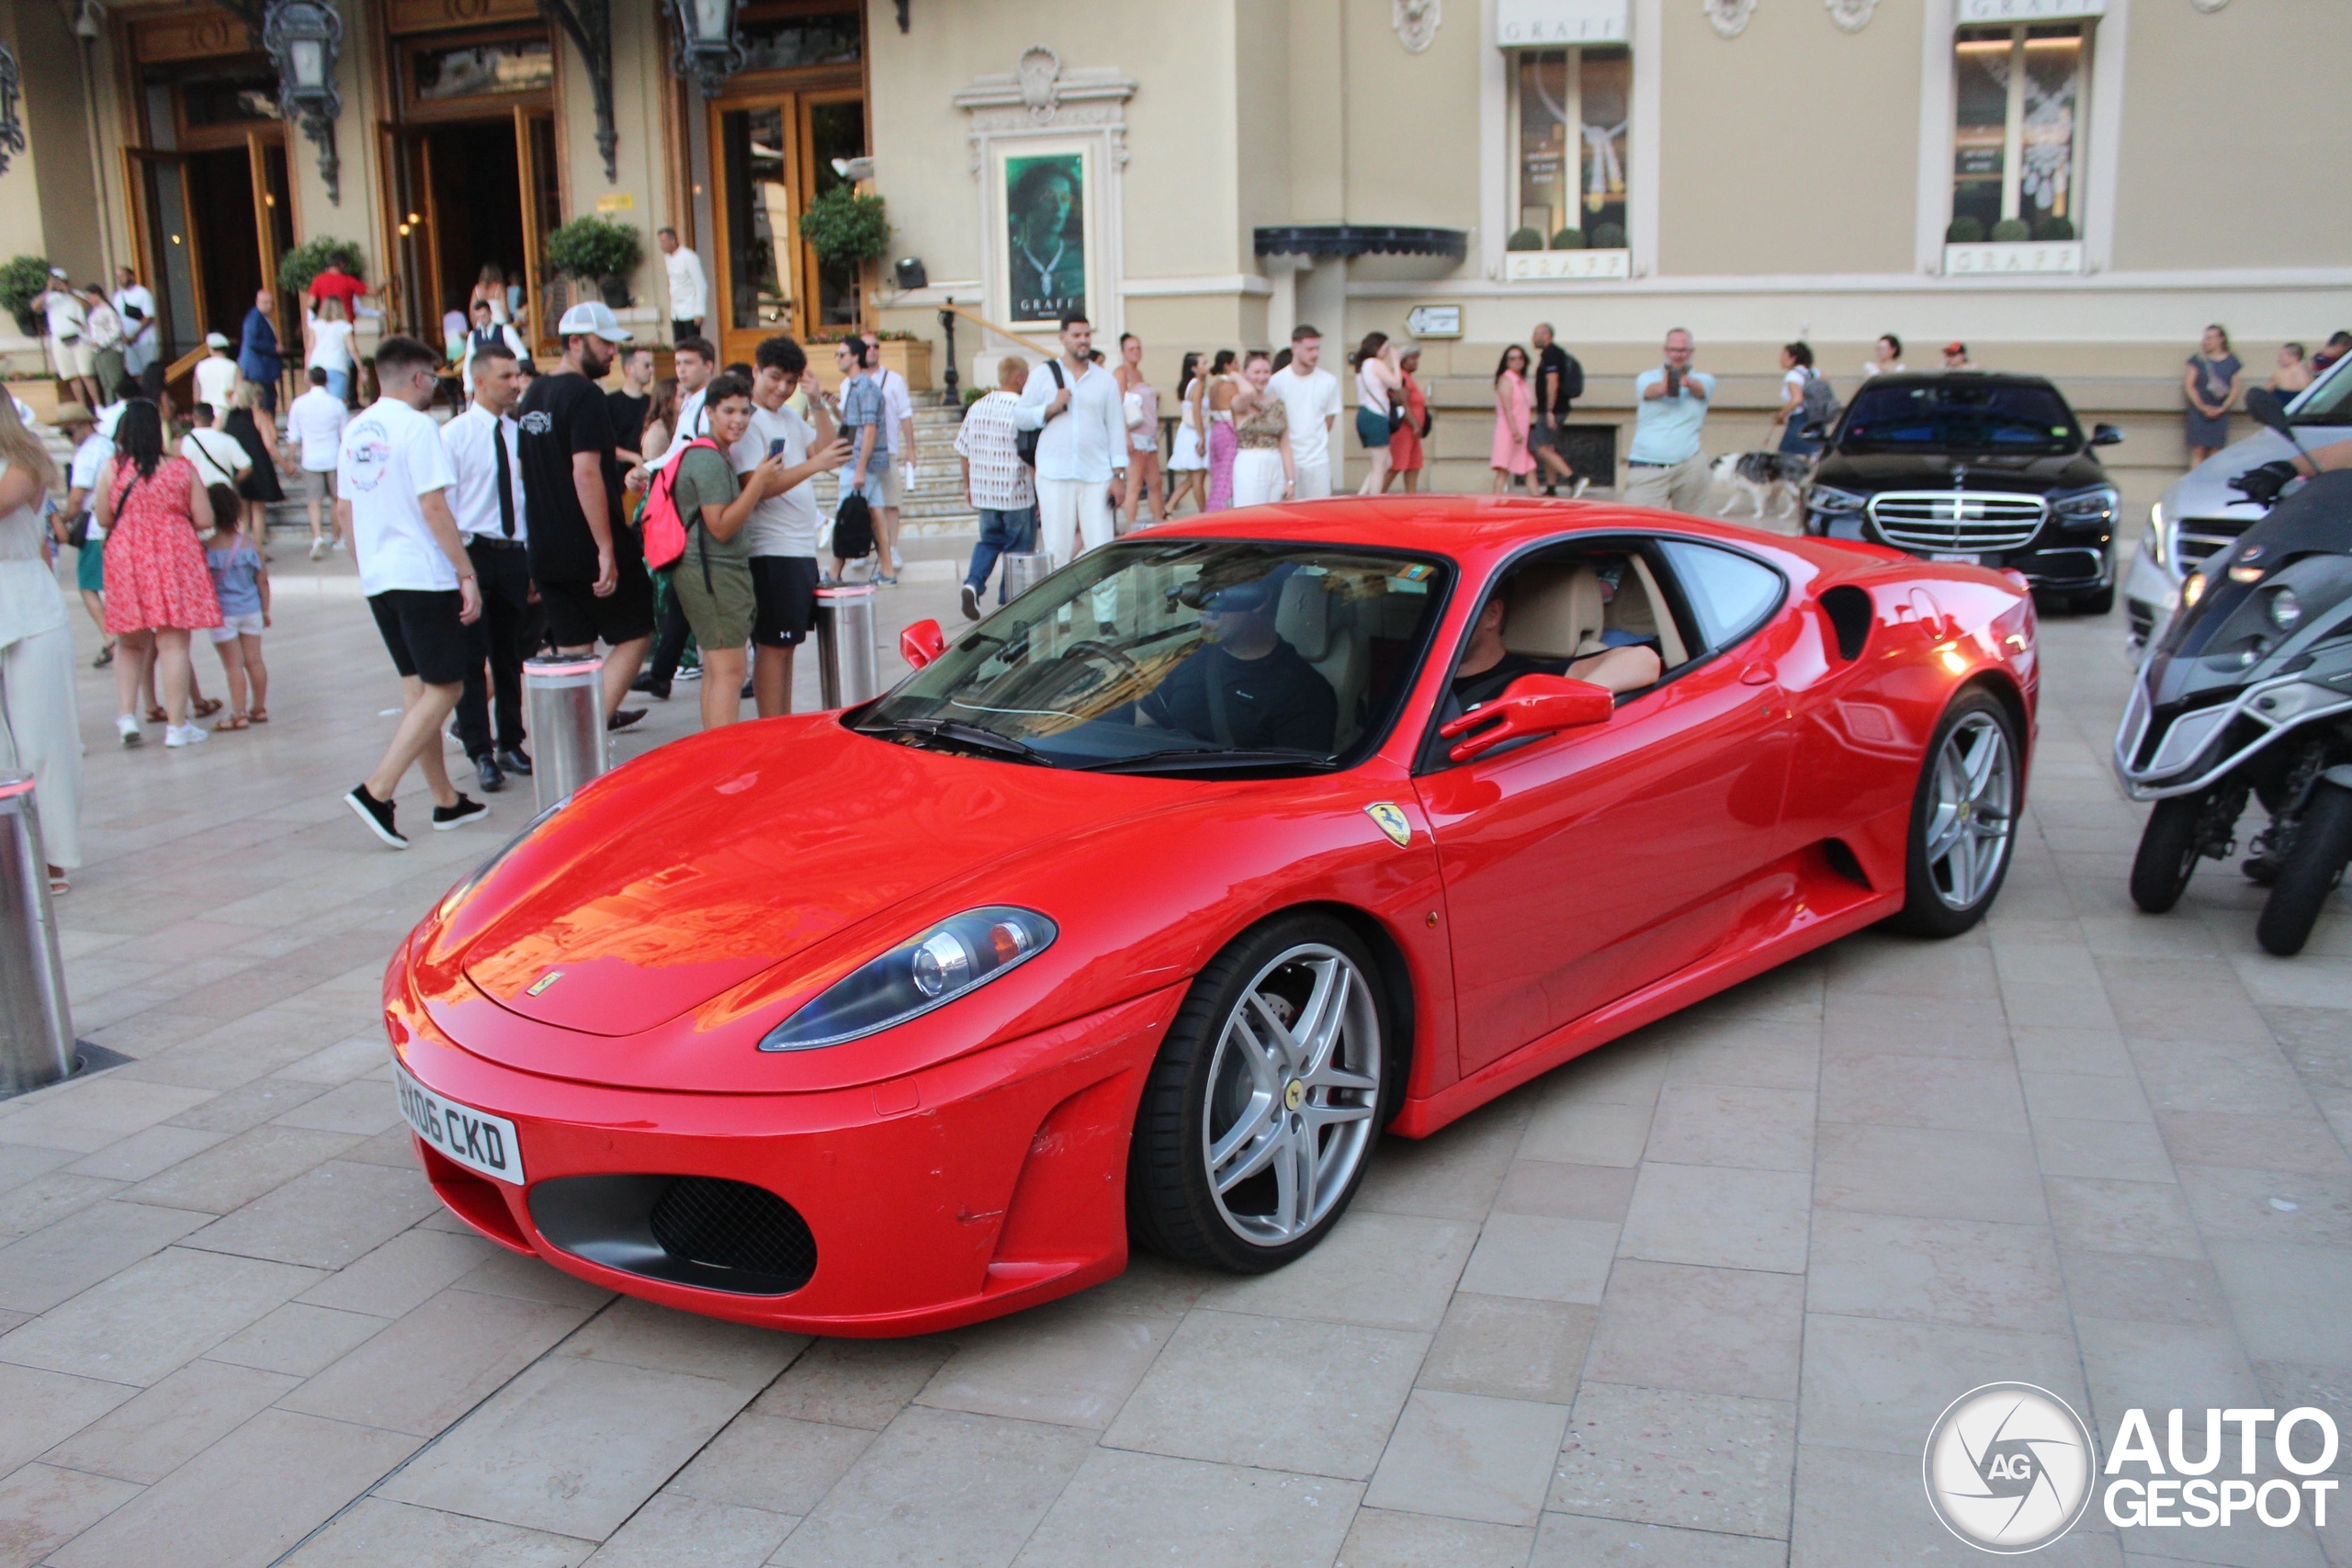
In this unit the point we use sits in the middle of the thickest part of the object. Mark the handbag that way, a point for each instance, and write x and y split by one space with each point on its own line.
1025 442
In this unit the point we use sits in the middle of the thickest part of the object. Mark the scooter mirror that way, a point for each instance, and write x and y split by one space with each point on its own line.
2269 409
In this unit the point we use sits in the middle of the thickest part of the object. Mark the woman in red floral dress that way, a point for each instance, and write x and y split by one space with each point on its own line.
154 512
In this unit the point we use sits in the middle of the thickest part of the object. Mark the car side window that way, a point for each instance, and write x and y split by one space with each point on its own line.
1730 594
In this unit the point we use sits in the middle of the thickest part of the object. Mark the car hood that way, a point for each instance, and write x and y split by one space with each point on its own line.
1870 472
2205 490
719 857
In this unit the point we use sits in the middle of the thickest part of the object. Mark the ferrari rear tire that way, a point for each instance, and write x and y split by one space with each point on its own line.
2169 852
2310 872
1264 1108
1963 818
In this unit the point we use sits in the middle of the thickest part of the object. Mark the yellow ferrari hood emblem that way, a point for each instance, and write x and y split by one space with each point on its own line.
544 981
1390 821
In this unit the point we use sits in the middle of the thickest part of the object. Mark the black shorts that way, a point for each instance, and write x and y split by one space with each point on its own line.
578 618
785 588
423 633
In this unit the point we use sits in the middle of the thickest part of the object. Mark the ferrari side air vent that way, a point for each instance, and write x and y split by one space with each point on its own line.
733 1224
1850 614
690 1230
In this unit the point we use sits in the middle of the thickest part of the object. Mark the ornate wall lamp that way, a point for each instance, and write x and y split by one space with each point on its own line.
709 47
304 39
12 123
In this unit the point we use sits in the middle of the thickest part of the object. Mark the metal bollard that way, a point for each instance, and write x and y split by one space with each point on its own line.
846 669
565 699
36 1024
1026 570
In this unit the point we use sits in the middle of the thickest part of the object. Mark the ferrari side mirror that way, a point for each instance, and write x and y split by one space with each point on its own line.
1533 705
921 643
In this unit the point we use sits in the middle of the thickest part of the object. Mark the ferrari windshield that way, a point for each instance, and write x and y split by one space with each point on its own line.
1960 414
1183 656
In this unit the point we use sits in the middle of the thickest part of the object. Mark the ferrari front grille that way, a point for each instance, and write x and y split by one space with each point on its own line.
733 1224
702 1230
1955 520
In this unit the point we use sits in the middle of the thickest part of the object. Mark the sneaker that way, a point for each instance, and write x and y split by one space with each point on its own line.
747 692
971 603
186 735
690 672
377 814
467 809
623 717
894 562
883 580
317 549
127 726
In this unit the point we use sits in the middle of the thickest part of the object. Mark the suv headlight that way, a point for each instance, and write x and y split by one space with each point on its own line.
2087 505
959 954
1835 503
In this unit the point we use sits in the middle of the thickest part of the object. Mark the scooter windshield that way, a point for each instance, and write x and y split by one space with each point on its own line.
2237 623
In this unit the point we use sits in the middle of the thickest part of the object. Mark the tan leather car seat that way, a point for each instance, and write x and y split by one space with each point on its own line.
1553 612
1641 610
1322 627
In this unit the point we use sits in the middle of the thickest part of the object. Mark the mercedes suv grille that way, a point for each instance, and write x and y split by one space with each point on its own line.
1955 520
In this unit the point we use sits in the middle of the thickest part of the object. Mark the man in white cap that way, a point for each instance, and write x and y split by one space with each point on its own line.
587 562
216 376
69 342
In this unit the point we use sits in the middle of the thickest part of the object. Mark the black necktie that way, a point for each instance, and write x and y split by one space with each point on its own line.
505 479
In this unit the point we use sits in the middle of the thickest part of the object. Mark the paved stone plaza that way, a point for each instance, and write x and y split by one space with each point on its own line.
1694 1300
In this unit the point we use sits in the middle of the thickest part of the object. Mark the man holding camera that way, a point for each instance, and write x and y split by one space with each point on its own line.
1665 466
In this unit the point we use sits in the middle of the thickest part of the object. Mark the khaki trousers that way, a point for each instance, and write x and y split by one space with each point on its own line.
1682 487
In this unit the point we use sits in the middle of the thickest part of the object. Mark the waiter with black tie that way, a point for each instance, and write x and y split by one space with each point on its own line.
487 502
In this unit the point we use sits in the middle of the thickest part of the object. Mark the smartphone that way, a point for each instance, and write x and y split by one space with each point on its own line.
776 448
1673 382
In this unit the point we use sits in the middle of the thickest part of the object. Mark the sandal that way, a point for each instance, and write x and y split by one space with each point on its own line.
204 707
155 713
57 882
235 721
259 715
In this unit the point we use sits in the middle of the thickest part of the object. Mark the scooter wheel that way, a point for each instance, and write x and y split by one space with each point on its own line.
2322 843
2169 852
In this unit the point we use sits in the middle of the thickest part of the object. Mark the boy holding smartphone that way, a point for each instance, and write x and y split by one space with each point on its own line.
783 529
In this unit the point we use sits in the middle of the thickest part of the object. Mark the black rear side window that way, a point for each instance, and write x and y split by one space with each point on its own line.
1959 415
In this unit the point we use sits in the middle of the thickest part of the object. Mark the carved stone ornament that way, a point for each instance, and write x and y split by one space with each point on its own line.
1851 16
1416 23
1040 95
1728 18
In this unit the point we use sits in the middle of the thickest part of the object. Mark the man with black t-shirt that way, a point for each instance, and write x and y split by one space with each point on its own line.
588 562
1245 688
1559 380
632 402
1488 666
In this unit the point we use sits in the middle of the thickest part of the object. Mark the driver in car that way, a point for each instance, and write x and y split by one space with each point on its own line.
1244 687
1488 667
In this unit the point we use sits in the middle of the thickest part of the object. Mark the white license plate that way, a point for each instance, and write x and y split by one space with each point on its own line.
475 1139
1959 560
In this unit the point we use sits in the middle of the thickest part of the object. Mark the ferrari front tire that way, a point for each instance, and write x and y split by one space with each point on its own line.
1963 818
1262 1110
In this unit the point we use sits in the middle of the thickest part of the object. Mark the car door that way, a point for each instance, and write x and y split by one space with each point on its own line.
1581 866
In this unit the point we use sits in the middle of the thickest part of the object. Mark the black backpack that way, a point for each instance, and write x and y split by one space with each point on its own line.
1571 379
853 528
1025 442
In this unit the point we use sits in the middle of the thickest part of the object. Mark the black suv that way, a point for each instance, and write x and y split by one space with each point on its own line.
1968 464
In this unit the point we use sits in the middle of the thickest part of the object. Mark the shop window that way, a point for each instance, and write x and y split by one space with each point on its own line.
1570 118
2020 94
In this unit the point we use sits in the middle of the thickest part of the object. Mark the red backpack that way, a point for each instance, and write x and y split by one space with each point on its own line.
665 531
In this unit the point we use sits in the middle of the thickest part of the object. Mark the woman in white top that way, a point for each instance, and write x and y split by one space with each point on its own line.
39 729
1188 463
326 344
1788 424
1377 384
1887 357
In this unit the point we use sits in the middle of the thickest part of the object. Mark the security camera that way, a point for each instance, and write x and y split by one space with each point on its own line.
854 168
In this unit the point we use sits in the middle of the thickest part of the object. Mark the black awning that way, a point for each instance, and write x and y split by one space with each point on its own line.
1360 238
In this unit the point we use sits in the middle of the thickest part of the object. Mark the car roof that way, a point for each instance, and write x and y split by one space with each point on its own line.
1472 529
1994 378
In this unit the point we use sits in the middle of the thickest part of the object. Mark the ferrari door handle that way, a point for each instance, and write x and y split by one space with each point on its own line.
1756 675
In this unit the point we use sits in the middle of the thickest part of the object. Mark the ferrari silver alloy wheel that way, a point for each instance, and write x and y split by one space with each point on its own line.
1291 1095
1969 827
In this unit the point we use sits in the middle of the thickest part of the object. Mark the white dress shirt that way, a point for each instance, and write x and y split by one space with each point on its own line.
687 291
1087 439
473 496
315 422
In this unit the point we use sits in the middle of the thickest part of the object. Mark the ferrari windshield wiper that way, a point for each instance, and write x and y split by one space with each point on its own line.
961 734
1188 760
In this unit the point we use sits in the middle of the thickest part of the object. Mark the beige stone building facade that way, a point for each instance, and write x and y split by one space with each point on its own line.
2072 187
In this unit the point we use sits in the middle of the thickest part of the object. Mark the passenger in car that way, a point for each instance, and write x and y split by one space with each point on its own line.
1488 666
1245 687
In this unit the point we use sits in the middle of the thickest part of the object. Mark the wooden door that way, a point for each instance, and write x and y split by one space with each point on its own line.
168 243
755 264
539 168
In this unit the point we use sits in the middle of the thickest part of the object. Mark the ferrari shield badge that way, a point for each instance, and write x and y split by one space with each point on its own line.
1390 821
544 981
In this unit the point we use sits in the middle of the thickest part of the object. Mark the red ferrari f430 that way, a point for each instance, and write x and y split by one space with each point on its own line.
1145 912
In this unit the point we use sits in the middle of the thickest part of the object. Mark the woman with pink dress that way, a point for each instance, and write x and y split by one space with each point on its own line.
153 510
1223 445
1514 407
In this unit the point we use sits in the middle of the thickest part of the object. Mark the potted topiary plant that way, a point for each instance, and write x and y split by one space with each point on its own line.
298 267
1568 240
2054 230
1965 229
845 229
20 280
597 251
1606 236
2011 232
1524 240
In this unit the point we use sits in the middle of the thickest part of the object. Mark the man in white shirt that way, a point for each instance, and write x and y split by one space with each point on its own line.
487 502
1311 398
314 421
136 305
1082 447
783 529
391 502
92 452
69 343
900 477
487 332
688 291
219 458
102 330
216 376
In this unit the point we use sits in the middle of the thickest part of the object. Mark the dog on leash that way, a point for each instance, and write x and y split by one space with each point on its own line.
1757 475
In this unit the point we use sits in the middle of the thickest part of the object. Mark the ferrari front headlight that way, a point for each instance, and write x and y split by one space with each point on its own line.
959 954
